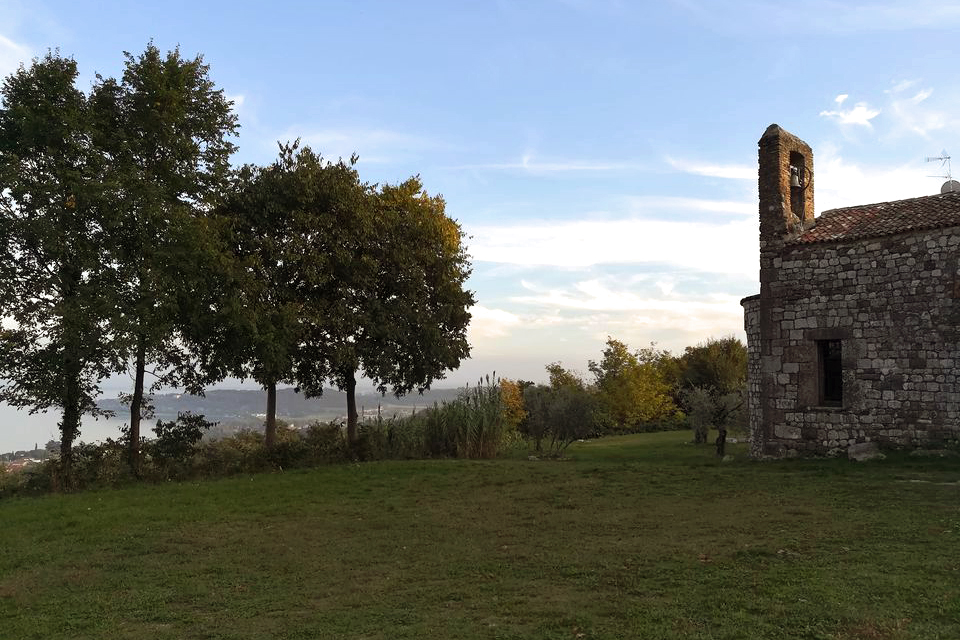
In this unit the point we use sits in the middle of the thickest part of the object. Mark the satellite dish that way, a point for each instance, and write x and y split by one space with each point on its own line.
950 186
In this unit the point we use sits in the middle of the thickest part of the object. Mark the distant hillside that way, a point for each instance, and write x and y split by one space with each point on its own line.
247 408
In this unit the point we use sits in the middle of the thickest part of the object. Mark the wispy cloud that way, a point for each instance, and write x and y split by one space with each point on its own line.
826 16
603 306
530 164
641 204
595 295
12 55
729 247
910 113
237 100
731 171
374 145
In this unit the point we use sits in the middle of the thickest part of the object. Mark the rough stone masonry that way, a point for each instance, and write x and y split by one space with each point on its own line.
854 335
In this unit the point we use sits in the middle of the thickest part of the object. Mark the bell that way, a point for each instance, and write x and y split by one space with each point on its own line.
794 177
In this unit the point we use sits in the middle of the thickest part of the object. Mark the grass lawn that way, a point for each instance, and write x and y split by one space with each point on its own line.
635 537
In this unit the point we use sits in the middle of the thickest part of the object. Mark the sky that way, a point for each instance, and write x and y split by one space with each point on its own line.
599 154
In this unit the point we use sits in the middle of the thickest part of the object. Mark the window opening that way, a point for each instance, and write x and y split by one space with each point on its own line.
831 372
798 182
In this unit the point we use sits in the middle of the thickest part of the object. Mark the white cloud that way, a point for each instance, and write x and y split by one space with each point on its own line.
594 295
729 247
647 203
12 55
237 100
861 114
491 323
840 183
598 308
731 171
840 98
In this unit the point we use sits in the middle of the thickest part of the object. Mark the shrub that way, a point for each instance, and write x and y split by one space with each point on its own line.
178 440
241 453
559 416
326 442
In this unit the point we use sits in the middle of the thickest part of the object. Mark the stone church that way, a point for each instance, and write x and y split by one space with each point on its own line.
855 334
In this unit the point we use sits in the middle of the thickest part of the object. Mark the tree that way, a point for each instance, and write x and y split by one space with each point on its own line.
560 377
632 389
169 149
293 228
396 309
714 375
511 398
56 206
720 364
559 415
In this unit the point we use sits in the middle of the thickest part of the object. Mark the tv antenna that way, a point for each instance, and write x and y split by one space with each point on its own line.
944 160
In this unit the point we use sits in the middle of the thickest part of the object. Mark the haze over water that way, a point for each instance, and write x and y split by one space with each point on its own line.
20 431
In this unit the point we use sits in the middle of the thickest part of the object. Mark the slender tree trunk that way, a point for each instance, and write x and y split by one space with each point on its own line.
136 404
70 422
352 435
72 371
721 441
270 431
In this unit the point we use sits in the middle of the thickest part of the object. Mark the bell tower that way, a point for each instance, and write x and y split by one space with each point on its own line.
785 187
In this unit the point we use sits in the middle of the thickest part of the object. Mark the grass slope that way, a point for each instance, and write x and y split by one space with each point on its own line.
637 537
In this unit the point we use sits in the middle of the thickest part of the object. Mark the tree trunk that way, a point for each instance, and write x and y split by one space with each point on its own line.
70 423
352 435
72 370
270 430
721 441
136 403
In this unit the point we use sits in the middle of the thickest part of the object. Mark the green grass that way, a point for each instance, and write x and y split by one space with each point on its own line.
636 537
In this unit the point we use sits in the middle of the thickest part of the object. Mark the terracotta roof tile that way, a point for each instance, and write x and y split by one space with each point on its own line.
884 219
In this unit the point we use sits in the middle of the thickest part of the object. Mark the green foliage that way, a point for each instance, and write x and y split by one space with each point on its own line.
472 426
713 378
700 409
177 441
558 416
632 389
56 281
398 310
295 229
169 148
561 377
718 364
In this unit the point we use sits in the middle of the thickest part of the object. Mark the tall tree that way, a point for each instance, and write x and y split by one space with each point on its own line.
294 228
170 146
397 310
55 279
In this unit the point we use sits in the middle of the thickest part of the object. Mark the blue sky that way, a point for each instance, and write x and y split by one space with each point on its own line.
601 154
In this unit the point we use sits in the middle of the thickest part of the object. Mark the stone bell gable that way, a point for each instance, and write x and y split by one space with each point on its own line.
855 334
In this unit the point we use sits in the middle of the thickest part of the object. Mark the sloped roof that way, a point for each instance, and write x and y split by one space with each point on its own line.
884 219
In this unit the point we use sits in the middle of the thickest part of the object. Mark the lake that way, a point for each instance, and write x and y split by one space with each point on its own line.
20 431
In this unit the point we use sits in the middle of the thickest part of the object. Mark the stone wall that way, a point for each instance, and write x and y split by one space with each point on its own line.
751 324
894 303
